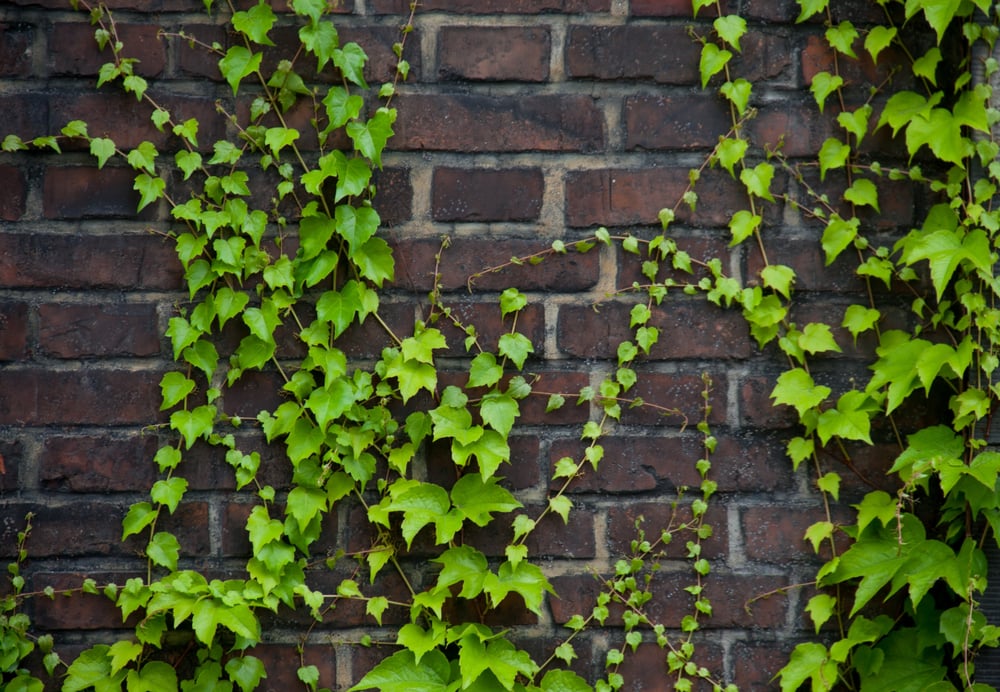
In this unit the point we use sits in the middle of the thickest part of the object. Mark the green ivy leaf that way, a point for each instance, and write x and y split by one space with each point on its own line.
816 337
738 92
319 38
139 516
926 65
832 155
779 278
713 60
731 29
742 225
174 387
370 137
169 491
350 60
808 8
239 62
863 192
499 412
193 424
525 580
478 499
838 234
150 189
796 388
246 671
842 37
164 550
757 180
878 39
515 346
102 149
859 319
404 671
850 420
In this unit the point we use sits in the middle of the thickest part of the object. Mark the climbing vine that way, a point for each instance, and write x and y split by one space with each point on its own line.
296 270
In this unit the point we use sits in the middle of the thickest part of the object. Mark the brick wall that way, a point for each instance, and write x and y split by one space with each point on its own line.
524 121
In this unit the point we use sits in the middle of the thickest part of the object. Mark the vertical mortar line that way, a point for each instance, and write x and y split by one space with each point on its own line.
620 8
557 53
551 315
737 557
734 377
420 182
428 33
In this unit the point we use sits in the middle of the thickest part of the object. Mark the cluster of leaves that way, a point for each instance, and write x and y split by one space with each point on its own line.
946 348
289 273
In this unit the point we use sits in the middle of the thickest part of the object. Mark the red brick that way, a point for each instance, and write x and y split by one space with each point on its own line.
622 52
646 667
97 464
394 199
73 50
523 471
474 123
661 8
80 192
402 7
687 330
91 396
282 662
73 610
116 115
675 122
13 330
757 408
624 197
508 53
14 199
701 247
633 464
490 326
545 383
34 260
776 533
471 258
16 48
757 661
81 331
487 195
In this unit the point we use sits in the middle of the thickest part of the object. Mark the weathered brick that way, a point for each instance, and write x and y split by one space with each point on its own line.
656 517
776 533
33 260
466 259
487 195
634 464
11 462
547 382
507 53
13 330
12 204
757 409
492 6
81 331
757 660
282 662
687 330
80 192
474 123
73 50
97 464
523 470
622 52
117 116
621 197
73 610
646 667
660 8
675 122
394 200
81 397
16 48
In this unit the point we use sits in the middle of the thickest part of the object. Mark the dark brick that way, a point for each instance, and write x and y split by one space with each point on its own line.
470 259
646 667
675 122
25 115
71 609
509 53
394 200
756 661
73 50
661 8
80 192
656 517
634 464
14 199
491 6
80 331
544 384
622 52
11 462
490 326
16 48
487 195
623 197
97 464
757 408
13 330
687 330
776 533
34 260
473 123
282 662
91 396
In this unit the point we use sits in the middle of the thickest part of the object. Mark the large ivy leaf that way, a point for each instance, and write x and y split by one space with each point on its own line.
796 388
477 499
401 672
239 62
524 579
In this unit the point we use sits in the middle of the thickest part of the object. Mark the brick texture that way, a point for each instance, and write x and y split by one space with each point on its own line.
522 122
